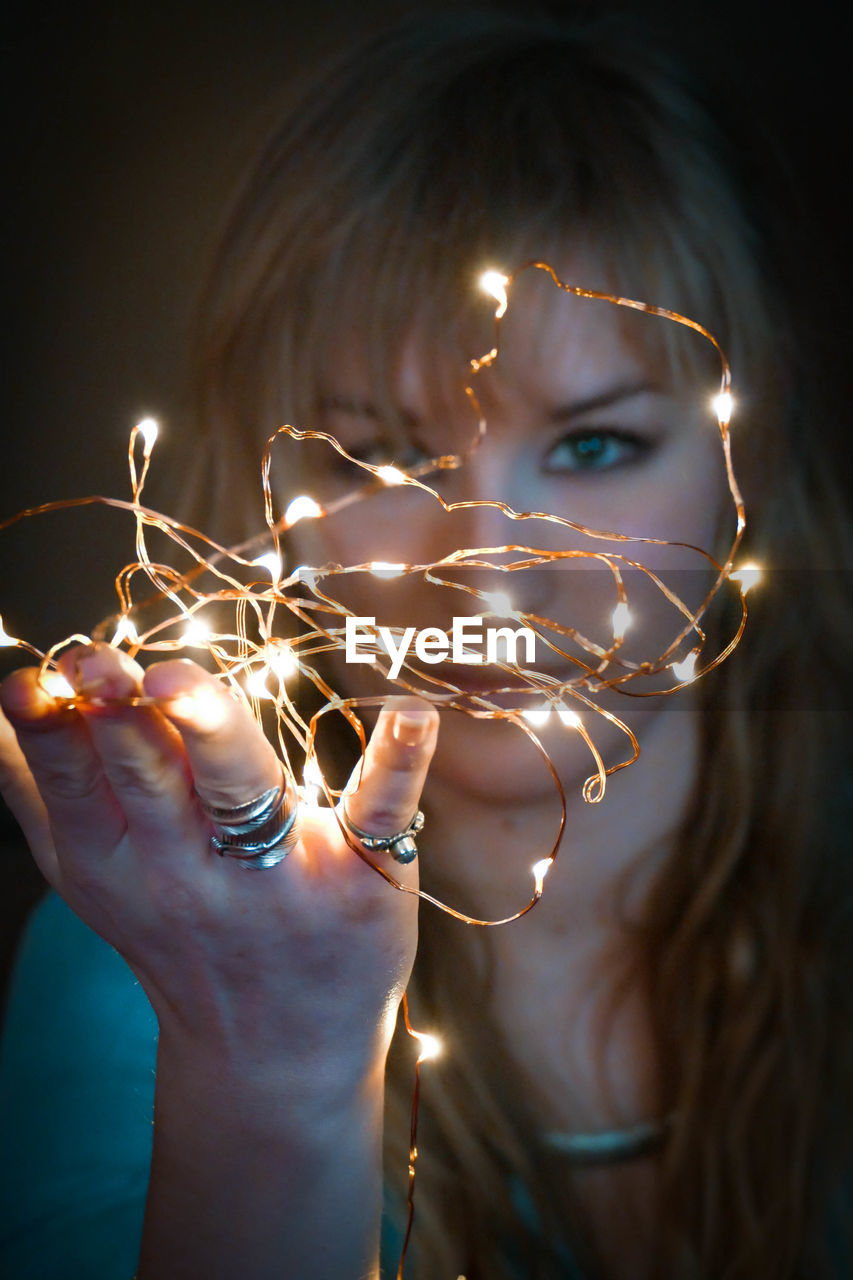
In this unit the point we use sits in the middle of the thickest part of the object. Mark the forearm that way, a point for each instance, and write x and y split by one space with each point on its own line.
262 1179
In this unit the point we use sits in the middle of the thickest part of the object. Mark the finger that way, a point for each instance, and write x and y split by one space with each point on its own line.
391 778
65 767
230 759
142 756
21 794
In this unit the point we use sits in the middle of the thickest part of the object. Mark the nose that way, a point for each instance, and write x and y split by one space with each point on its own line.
476 523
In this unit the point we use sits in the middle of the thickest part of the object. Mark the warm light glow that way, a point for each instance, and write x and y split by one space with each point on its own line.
7 641
391 475
685 671
56 686
125 631
272 563
312 783
431 1046
570 718
537 715
494 283
204 708
301 508
620 620
149 430
196 634
540 871
499 603
385 569
256 683
280 660
723 404
746 576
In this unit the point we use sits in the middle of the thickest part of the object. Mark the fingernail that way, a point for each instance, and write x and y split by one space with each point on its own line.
92 679
411 727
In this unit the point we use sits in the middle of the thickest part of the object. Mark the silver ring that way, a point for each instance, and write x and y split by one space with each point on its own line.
401 845
259 833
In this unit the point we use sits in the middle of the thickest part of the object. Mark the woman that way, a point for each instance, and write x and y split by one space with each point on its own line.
682 972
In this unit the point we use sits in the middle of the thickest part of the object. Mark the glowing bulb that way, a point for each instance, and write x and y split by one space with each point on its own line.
494 283
301 508
685 671
280 660
7 641
196 633
256 683
312 780
499 603
149 430
385 569
569 718
56 686
391 475
431 1046
203 708
722 404
537 715
746 576
620 619
125 631
540 871
272 563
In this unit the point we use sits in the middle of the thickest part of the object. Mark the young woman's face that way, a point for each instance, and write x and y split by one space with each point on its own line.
584 422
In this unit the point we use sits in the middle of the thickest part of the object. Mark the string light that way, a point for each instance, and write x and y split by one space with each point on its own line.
250 657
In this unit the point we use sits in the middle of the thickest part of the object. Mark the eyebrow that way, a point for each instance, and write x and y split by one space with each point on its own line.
603 400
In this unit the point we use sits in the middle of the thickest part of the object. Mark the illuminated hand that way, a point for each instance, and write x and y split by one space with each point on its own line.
303 961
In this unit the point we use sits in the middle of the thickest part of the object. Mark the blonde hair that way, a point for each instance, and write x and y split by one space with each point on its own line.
463 140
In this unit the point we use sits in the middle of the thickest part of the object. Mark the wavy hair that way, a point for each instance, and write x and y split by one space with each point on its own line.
460 140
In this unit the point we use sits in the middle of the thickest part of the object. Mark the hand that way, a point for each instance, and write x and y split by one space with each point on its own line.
302 964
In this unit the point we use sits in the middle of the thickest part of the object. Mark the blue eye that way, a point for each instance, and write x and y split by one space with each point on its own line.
596 450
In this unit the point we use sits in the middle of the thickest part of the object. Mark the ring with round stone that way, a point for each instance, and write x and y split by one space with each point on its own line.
401 845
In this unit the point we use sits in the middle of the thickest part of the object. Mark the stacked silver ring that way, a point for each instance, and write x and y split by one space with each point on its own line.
259 833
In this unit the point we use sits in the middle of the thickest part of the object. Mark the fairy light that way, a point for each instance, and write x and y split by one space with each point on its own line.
126 630
499 603
723 404
391 475
537 716
256 683
540 870
747 576
620 620
569 718
685 671
495 284
249 655
7 641
312 783
196 634
386 569
56 686
272 563
301 508
149 429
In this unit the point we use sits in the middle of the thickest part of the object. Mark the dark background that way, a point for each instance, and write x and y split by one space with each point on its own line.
125 128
